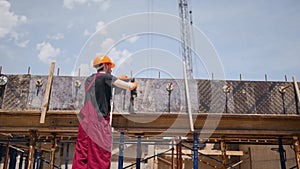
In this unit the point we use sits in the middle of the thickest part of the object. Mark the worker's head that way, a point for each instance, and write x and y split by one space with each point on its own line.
103 63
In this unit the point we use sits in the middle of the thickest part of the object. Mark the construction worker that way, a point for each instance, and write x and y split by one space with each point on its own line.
94 141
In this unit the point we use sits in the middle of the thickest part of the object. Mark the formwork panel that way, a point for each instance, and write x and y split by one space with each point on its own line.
16 92
65 95
36 91
152 96
211 97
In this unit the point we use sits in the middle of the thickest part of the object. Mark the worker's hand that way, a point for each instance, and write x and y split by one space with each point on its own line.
135 86
123 77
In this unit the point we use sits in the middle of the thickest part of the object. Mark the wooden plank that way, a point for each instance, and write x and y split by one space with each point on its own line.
296 143
209 152
47 93
296 89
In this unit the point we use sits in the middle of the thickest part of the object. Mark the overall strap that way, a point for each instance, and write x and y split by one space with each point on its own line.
87 88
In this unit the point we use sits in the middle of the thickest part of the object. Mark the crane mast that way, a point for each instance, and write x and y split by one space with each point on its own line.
185 26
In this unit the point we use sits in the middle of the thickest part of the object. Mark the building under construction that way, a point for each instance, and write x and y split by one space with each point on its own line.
236 124
168 123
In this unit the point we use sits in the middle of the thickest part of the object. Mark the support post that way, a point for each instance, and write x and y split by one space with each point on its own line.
12 158
26 162
179 155
195 150
67 156
296 143
21 160
281 153
172 167
223 150
121 151
151 150
37 156
138 153
6 156
52 153
250 157
32 142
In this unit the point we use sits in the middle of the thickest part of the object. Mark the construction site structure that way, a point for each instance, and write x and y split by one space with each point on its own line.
218 124
256 125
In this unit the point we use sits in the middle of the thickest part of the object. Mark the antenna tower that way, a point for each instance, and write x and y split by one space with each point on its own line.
185 26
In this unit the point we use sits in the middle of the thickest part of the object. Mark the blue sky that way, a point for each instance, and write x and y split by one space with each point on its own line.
253 38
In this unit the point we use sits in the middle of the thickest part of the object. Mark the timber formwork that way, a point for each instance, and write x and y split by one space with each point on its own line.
44 108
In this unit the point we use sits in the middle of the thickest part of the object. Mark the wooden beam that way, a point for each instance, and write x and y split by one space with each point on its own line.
46 102
6 156
210 152
32 143
297 150
52 153
219 152
224 155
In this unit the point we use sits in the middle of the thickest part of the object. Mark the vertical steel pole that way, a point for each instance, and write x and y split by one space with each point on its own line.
138 153
12 158
21 160
67 156
121 151
37 156
195 150
26 161
281 153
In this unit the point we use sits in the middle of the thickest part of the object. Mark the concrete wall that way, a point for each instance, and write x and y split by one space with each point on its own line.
262 157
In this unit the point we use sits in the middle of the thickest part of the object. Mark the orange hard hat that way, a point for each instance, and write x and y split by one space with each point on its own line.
102 59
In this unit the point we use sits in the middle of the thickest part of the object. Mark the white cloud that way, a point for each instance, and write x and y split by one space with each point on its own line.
17 39
107 44
8 20
104 4
56 37
116 54
87 33
22 44
47 52
100 26
133 39
85 70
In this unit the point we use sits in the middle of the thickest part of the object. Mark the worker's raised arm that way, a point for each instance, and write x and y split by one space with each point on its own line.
125 85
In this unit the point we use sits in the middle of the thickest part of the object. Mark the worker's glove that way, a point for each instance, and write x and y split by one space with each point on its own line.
123 77
135 86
